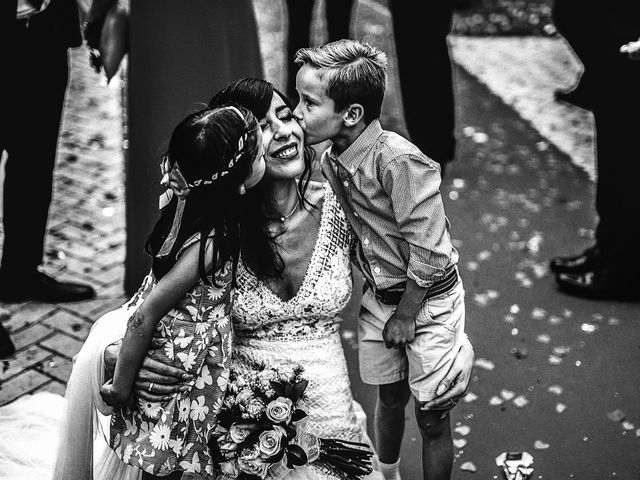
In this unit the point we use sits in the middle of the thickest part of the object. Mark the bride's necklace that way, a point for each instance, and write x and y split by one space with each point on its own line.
293 210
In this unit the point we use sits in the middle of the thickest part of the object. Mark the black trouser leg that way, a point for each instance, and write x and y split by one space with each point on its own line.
338 19
421 45
299 14
35 108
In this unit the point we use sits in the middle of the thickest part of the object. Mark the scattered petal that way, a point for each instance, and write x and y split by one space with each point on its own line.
613 321
538 313
540 445
543 338
484 364
616 416
470 397
560 407
514 309
507 394
627 425
588 327
459 442
561 350
520 401
462 430
495 401
555 360
554 320
468 467
555 389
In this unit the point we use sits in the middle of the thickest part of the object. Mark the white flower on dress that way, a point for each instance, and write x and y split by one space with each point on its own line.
160 437
150 409
126 455
166 468
130 427
223 379
215 293
204 378
168 350
193 466
202 327
199 410
183 410
188 359
175 445
182 340
217 312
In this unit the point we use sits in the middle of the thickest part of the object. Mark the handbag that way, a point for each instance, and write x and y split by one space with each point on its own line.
106 33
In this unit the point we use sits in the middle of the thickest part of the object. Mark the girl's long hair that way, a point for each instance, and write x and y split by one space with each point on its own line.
256 95
202 145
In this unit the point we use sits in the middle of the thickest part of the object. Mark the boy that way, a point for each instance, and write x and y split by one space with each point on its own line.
412 315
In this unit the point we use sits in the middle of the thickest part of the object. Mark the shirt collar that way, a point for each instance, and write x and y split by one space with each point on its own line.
358 151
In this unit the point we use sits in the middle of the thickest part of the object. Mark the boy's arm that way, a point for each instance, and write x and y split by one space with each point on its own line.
400 329
412 184
140 327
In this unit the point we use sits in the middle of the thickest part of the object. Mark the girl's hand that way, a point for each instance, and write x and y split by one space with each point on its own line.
456 383
113 397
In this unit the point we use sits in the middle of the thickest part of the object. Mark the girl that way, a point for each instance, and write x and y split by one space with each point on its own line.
214 155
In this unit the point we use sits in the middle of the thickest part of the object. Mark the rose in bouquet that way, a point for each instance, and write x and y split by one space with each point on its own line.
260 432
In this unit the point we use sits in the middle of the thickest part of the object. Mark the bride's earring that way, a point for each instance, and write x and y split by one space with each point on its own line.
242 189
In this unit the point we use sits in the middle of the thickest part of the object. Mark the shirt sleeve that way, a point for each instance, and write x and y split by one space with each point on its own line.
412 182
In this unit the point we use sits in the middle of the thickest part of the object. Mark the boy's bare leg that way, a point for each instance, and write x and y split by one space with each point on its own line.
437 447
389 419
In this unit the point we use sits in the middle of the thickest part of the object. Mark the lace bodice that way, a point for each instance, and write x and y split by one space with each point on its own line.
325 290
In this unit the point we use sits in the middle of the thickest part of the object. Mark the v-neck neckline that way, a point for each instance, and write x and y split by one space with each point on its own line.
314 253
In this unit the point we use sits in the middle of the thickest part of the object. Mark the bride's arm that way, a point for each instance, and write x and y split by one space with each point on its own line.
455 384
166 379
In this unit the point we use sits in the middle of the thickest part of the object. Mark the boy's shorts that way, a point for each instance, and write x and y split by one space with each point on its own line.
427 359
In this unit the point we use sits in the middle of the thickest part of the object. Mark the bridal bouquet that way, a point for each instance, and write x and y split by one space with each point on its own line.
260 432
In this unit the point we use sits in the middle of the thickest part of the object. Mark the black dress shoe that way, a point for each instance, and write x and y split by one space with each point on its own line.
43 288
583 262
599 284
6 345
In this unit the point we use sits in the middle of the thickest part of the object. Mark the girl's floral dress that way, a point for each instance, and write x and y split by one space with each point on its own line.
160 438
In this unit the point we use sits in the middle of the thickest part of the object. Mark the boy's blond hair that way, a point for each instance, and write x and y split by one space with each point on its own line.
354 72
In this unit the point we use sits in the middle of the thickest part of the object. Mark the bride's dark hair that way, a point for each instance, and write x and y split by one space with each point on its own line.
256 95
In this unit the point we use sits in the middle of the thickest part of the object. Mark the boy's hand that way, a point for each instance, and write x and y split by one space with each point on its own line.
113 397
399 331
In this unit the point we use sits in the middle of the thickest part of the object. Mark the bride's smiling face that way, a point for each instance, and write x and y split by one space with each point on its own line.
283 141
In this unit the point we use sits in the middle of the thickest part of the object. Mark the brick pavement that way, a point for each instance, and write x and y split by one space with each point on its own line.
85 240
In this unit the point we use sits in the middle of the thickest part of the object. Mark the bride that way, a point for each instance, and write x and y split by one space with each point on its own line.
288 320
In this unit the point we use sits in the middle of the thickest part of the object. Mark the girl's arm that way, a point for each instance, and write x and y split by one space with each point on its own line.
141 326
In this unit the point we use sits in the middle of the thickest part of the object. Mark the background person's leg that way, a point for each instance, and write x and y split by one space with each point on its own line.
299 13
338 19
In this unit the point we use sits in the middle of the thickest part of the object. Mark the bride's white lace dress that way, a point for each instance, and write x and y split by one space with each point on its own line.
304 330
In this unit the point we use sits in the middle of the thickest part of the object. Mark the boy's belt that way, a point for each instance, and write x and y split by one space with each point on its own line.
392 295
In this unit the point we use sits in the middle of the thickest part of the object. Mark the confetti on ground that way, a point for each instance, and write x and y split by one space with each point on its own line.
538 313
462 430
555 320
540 445
468 467
555 360
459 442
480 137
514 309
555 389
560 407
561 350
616 416
627 425
507 394
543 338
520 401
484 364
495 401
588 327
470 397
